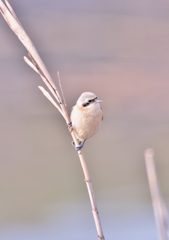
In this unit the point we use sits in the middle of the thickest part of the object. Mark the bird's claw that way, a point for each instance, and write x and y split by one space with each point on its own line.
69 126
77 148
80 146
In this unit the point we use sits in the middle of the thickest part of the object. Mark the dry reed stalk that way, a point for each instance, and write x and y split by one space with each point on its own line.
38 66
159 207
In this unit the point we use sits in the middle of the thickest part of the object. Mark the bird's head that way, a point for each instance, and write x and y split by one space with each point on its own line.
87 100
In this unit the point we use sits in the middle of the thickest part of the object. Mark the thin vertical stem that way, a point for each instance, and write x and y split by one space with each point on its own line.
91 196
160 212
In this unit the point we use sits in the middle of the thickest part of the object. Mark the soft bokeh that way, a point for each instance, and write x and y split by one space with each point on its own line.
118 50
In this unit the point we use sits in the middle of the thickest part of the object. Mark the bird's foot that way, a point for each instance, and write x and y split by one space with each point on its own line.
80 146
69 126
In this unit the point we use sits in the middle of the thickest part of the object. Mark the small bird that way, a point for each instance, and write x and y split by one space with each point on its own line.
86 117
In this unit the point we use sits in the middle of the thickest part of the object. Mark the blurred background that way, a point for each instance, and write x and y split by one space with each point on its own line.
118 50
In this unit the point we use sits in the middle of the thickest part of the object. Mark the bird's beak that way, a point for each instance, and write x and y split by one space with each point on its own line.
97 100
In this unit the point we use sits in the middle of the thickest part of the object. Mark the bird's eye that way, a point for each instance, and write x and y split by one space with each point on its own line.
89 101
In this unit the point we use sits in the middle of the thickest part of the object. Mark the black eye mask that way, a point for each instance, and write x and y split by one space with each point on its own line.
88 102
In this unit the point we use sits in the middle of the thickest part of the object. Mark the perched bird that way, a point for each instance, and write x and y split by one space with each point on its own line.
86 117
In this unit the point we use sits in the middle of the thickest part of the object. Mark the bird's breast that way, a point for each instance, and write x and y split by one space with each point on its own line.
86 122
